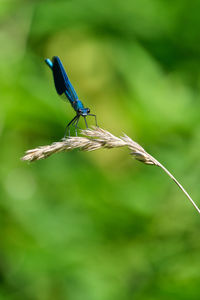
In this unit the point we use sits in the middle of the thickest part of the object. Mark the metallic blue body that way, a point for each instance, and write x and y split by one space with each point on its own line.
64 86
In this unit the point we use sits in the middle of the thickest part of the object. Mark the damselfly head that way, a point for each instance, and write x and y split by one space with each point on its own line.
83 111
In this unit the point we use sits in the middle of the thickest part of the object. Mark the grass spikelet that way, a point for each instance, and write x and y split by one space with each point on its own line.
97 138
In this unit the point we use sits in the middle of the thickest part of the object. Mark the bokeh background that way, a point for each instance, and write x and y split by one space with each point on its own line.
100 226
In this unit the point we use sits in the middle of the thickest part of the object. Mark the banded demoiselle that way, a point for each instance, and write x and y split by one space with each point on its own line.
64 86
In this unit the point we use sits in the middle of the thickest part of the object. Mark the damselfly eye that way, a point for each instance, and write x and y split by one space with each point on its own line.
88 110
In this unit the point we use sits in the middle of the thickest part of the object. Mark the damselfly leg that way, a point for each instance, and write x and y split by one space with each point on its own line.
69 125
75 121
76 124
94 117
86 123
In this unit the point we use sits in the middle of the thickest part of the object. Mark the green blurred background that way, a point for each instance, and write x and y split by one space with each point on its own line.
100 226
